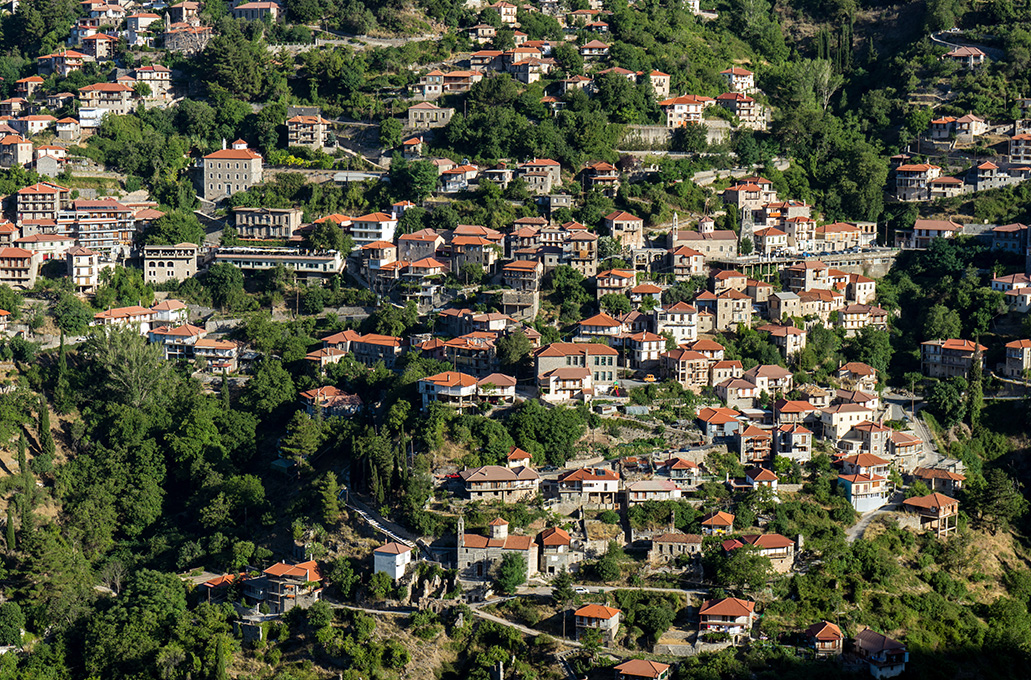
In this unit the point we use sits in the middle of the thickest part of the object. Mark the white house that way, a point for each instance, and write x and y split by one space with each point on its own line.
391 559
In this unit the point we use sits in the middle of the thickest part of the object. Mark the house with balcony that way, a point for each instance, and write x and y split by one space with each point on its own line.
780 550
884 657
729 615
307 131
218 355
591 488
793 441
949 358
717 523
684 110
718 424
1018 359
925 231
597 617
451 388
739 79
865 492
937 512
494 482
687 367
825 638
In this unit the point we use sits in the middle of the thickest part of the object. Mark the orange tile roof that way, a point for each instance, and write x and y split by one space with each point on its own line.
597 611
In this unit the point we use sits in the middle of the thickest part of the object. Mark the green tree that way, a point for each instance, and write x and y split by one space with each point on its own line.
511 573
513 349
173 228
11 301
942 323
270 388
326 235
614 303
12 621
329 491
342 574
390 133
225 282
72 315
132 369
747 246
997 501
10 531
62 388
946 401
743 568
413 180
304 436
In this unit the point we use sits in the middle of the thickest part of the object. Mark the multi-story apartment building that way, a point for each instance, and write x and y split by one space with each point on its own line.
157 77
373 227
580 251
687 367
1018 359
741 105
267 223
15 151
102 225
112 97
18 267
679 320
730 615
949 358
304 264
1020 149
61 62
169 263
231 170
307 131
739 79
600 360
524 275
686 262
83 269
451 388
913 181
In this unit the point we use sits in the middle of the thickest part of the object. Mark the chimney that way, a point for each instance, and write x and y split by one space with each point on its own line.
223 143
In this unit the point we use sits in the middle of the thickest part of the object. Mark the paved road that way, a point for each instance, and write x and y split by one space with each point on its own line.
546 590
954 40
857 530
522 629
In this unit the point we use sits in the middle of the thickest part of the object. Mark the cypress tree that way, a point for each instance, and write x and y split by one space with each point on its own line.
10 528
226 403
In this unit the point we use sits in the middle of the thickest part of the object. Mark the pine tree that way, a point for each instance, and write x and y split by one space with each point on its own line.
330 489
